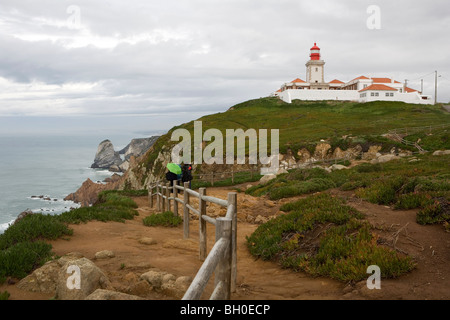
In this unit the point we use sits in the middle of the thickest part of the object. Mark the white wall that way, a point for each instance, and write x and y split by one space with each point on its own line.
316 95
349 95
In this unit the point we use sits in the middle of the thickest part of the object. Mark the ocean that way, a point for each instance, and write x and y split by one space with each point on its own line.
38 171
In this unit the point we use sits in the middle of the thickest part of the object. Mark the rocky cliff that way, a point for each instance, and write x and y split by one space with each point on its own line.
106 156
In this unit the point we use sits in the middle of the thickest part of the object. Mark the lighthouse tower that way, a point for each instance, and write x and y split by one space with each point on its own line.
315 70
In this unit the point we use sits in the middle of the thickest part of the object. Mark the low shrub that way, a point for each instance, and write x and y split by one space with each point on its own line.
22 258
302 187
413 200
343 252
34 227
437 212
165 219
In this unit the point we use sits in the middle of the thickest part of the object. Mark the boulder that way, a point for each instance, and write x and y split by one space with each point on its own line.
267 178
79 278
385 158
106 156
304 155
101 294
322 151
441 152
45 278
105 254
42 280
154 278
371 153
147 241
337 167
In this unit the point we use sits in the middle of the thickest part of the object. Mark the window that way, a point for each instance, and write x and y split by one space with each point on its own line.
372 94
317 69
388 94
391 94
365 86
376 94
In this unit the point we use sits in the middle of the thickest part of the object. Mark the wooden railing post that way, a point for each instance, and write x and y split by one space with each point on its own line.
175 195
232 200
163 202
202 224
167 196
150 196
158 198
186 211
223 270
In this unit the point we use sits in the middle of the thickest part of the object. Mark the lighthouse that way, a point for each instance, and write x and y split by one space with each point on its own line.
315 69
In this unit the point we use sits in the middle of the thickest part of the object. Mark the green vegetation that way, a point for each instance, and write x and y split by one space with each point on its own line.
4 295
345 250
239 177
303 124
165 219
322 236
23 247
401 184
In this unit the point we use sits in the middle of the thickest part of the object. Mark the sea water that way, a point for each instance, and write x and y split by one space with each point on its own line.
38 171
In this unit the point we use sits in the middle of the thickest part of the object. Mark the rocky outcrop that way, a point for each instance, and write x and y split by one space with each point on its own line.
90 276
138 147
23 215
87 194
106 156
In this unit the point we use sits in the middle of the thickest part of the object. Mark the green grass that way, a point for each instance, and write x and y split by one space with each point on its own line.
4 295
23 247
164 219
21 258
303 124
344 252
239 177
401 184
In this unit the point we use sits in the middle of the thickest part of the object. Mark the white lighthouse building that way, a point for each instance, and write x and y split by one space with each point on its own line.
361 89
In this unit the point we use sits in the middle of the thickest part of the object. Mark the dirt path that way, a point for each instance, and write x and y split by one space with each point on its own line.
256 279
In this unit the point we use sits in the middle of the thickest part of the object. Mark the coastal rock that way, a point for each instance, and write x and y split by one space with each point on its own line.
45 278
101 294
92 278
106 156
23 215
87 194
138 147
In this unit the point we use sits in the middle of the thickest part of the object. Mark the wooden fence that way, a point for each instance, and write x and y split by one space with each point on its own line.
223 256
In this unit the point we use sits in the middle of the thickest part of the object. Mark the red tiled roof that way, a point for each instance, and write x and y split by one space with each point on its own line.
297 80
359 78
408 90
378 87
383 80
336 81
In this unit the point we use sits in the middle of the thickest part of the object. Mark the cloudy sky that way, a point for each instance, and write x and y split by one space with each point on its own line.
145 65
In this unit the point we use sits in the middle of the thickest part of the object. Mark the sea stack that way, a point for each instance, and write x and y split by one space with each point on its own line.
106 156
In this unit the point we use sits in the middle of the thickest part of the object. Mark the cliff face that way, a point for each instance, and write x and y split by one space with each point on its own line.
106 156
138 147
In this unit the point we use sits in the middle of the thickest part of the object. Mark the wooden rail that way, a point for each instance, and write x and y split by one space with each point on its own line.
222 259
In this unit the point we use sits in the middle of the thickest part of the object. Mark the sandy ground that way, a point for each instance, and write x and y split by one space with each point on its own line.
257 279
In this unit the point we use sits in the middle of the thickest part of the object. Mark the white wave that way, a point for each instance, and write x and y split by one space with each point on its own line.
4 226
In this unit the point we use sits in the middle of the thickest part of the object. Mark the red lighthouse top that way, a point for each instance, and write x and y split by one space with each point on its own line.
315 52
